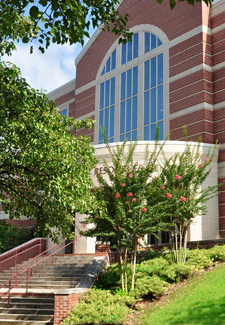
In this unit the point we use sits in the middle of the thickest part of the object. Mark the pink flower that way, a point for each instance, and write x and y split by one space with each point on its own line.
201 165
168 195
134 199
182 199
83 225
117 195
178 177
123 184
126 202
130 175
144 210
207 160
130 194
202 155
162 187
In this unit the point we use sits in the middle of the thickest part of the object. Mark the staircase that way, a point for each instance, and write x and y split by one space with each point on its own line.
39 309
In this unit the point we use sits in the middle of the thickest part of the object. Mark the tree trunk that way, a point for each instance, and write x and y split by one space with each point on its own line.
120 263
134 264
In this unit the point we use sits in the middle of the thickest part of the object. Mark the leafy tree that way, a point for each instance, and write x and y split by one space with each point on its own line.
123 214
44 169
61 21
182 194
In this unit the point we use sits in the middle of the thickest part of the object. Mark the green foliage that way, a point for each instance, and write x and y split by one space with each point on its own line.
176 272
153 287
99 307
200 259
11 236
217 253
152 267
109 279
44 169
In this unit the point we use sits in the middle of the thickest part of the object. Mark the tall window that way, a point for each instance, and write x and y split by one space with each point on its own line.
129 105
107 110
131 91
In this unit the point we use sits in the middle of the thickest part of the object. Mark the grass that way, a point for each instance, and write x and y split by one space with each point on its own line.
202 301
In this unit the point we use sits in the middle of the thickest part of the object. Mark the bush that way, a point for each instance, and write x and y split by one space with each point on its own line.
152 287
109 279
199 259
217 253
152 267
99 307
176 272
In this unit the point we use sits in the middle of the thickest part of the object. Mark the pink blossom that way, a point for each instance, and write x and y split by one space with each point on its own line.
144 209
201 165
168 195
123 184
162 187
134 199
126 202
130 175
130 194
178 177
117 195
182 199
207 160
202 155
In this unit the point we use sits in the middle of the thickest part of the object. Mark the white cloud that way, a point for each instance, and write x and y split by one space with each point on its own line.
49 70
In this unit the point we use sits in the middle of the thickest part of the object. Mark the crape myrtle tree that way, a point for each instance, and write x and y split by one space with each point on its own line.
60 22
183 194
44 169
125 213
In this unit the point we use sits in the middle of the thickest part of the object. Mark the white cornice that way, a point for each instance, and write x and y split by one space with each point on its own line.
217 8
62 90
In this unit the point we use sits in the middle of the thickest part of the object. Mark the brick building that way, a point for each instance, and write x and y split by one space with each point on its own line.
171 73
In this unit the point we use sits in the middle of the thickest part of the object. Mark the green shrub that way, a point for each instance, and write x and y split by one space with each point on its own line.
152 267
176 272
152 287
199 259
217 253
98 307
109 279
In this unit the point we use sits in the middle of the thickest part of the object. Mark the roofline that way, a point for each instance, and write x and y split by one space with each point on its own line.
61 90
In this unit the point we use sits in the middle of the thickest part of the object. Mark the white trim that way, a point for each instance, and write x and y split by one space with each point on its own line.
218 29
201 66
188 59
193 123
217 8
219 105
218 66
62 90
199 92
191 109
85 87
189 85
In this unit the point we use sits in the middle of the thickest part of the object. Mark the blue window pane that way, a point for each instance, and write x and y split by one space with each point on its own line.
135 81
124 54
153 105
159 42
160 124
134 135
113 91
160 69
103 71
128 136
108 65
153 131
107 86
146 133
153 41
114 60
136 37
153 72
123 85
129 54
128 115
134 117
129 79
102 87
147 42
63 112
146 110
101 124
107 122
160 102
112 120
122 137
122 117
147 75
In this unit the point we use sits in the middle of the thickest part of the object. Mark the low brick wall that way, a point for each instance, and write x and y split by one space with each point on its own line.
63 305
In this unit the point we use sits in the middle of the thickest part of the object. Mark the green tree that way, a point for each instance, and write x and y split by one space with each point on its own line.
44 169
183 195
122 213
61 21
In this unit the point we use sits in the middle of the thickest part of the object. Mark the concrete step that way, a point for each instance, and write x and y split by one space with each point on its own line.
24 322
25 311
39 317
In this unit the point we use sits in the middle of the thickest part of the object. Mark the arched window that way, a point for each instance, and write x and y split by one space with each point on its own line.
131 89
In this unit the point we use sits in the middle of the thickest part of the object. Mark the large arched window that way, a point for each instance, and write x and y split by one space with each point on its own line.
132 88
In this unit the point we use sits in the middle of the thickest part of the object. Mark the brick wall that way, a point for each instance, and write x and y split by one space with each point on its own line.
63 305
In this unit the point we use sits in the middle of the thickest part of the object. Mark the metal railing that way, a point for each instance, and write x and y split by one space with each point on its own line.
27 272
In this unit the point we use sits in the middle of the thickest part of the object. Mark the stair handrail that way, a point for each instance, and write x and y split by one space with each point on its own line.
29 271
16 251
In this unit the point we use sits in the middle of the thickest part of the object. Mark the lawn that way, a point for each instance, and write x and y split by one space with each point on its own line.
201 301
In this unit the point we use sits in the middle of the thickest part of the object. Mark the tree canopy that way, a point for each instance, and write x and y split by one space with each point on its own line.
61 21
44 169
